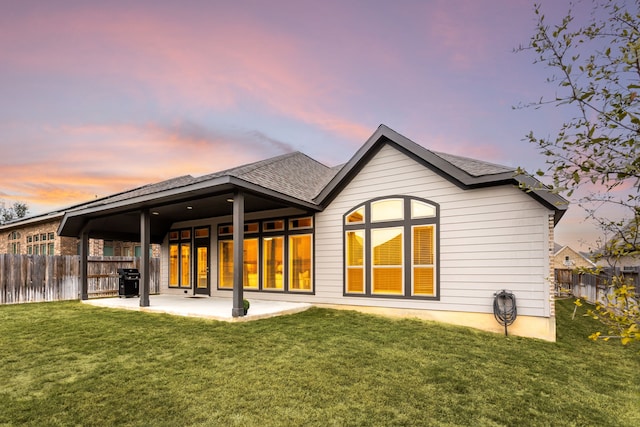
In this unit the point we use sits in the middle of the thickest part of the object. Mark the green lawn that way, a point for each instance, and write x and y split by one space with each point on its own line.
72 364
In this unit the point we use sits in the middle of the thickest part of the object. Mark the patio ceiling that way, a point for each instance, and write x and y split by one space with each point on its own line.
121 220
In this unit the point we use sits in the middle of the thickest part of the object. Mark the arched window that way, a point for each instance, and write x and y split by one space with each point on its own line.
391 248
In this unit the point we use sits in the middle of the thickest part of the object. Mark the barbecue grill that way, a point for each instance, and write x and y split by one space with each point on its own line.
128 282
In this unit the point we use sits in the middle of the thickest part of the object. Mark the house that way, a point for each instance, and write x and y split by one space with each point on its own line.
397 230
628 262
38 235
567 258
569 279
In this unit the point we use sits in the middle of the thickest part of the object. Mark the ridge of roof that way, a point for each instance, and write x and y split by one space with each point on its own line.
295 174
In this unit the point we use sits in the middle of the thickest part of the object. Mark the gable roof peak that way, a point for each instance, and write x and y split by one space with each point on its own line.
464 172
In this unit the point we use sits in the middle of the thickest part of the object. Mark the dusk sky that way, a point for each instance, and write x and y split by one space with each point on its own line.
97 97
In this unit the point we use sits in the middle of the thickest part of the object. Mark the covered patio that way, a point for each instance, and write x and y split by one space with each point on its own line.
203 307
148 213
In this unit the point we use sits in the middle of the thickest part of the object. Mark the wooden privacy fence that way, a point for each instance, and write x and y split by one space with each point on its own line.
38 278
591 287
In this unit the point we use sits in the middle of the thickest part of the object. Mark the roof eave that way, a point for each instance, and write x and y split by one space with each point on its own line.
71 224
543 194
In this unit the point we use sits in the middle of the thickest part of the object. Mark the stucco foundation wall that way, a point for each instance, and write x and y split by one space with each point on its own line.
543 328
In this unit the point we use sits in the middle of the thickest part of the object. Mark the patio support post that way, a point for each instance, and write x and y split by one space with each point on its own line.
84 265
145 230
238 251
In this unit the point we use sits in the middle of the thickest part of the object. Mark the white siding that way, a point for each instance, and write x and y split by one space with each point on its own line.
490 239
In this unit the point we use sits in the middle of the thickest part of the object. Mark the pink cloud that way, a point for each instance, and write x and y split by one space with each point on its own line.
457 32
59 187
219 65
84 161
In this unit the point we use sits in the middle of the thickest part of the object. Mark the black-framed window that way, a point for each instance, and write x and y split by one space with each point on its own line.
180 258
391 248
278 255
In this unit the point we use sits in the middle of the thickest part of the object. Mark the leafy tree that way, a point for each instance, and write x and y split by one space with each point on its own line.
16 211
595 65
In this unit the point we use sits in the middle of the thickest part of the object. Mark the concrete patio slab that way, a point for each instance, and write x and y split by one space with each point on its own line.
206 307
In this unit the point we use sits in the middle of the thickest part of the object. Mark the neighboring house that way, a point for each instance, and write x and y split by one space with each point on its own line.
581 284
629 262
398 230
567 258
568 279
38 235
622 242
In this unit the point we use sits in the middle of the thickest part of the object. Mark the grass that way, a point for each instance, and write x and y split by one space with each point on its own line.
72 364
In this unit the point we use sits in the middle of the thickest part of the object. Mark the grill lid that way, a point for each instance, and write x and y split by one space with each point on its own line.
128 272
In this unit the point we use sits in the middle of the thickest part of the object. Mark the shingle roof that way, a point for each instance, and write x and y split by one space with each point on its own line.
141 191
294 174
297 176
474 167
557 247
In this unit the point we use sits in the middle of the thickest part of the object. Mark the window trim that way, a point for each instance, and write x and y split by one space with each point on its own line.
374 220
361 267
402 266
353 211
285 232
179 237
294 223
290 267
413 265
408 223
283 257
